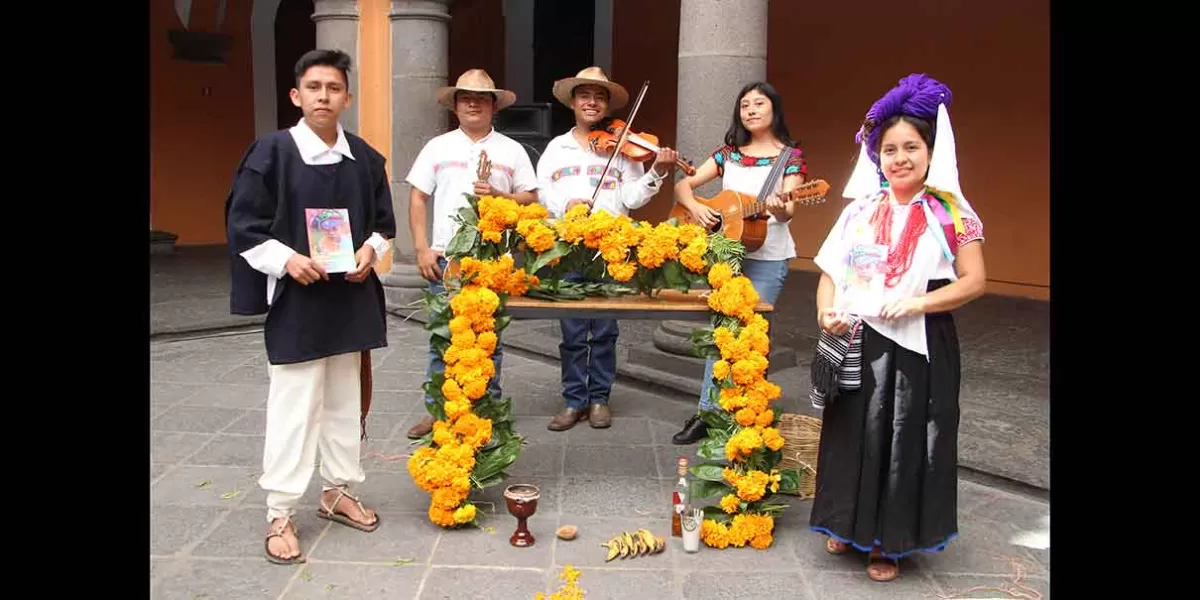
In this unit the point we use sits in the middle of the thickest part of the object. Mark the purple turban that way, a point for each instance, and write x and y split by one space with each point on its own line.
917 95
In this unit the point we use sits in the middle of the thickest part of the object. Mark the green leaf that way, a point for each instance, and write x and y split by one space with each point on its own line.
711 449
789 481
673 275
559 249
708 471
708 489
433 387
768 507
491 481
468 215
502 321
715 513
717 419
492 463
464 242
497 411
720 436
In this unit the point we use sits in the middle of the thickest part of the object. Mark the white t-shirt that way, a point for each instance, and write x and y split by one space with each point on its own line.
746 174
929 261
569 171
446 170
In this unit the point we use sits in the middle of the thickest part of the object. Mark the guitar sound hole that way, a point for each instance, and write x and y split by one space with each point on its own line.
717 227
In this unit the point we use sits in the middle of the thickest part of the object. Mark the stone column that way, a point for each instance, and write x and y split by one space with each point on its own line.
420 60
337 29
722 47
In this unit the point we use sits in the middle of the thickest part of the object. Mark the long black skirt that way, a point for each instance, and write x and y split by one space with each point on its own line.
887 464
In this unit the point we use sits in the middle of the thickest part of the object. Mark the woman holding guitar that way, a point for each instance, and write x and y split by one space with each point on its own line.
759 159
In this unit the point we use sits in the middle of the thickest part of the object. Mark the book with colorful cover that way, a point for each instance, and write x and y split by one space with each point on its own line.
330 242
862 290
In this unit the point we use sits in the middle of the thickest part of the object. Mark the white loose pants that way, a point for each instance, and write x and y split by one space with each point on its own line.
311 406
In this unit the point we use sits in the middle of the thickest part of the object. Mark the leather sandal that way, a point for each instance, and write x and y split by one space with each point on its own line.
880 568
278 533
833 546
337 516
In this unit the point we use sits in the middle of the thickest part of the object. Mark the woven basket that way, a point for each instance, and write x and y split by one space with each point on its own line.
801 439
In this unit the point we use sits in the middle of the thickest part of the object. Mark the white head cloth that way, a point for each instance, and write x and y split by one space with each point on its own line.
943 169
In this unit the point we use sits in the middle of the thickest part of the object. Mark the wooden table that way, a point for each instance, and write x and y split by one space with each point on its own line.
667 305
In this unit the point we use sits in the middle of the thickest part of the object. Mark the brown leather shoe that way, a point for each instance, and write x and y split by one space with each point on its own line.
567 419
422 428
599 416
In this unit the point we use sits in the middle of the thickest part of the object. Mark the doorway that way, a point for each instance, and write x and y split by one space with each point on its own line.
563 44
295 34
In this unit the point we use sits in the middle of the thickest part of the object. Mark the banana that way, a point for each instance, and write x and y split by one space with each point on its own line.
648 540
631 544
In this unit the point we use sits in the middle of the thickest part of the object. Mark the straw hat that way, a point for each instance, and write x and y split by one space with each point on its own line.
475 80
617 96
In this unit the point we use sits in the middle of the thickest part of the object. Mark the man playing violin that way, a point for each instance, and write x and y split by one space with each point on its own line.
568 174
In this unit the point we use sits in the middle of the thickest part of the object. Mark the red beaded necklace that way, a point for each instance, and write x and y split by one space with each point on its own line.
900 256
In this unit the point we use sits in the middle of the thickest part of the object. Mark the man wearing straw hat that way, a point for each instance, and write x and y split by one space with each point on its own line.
446 169
568 174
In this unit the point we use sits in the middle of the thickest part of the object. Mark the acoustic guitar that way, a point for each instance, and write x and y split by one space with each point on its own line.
743 217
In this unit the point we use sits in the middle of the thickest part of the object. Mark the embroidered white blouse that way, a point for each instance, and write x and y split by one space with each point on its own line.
929 261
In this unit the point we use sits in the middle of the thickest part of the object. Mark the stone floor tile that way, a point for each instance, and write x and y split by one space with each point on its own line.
586 551
857 586
230 451
213 579
718 585
982 547
173 528
399 536
186 485
173 446
613 461
243 531
456 583
230 395
602 496
196 419
490 547
625 431
617 584
1010 585
324 581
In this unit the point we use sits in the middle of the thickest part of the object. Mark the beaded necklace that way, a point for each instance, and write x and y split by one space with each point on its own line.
900 256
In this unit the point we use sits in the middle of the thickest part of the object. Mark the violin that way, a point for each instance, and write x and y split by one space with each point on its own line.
638 147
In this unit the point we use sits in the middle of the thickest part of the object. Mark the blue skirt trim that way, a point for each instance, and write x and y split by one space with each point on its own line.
892 556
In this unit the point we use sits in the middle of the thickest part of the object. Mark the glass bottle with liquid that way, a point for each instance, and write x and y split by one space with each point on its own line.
681 500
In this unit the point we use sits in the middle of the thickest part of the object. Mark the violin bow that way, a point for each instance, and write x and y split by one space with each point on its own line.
621 140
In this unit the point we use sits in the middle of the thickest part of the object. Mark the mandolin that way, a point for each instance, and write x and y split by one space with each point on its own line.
743 217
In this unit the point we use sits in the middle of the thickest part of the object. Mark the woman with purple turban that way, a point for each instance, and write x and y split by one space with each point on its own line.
887 369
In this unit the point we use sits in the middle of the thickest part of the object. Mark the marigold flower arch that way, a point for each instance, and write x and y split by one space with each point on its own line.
473 441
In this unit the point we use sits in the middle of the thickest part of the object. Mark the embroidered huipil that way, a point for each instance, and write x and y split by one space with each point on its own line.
568 171
930 260
446 170
746 174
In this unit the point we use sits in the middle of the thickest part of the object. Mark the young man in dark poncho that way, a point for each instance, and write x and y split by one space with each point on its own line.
316 181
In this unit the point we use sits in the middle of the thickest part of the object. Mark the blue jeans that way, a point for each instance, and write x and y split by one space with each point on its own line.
588 353
436 365
767 277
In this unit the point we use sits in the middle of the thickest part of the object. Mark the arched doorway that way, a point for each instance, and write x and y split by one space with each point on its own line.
295 34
